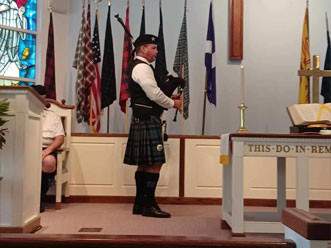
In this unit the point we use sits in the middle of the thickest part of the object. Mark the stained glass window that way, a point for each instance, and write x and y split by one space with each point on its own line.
18 25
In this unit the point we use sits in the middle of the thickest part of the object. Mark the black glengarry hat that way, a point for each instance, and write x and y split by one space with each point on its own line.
145 39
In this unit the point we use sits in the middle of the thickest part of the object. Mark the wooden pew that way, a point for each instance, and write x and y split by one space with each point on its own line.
306 229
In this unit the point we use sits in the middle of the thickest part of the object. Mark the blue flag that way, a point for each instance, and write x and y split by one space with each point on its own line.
326 82
209 62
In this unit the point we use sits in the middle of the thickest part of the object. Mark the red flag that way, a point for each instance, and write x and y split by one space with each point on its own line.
96 85
89 73
49 81
127 50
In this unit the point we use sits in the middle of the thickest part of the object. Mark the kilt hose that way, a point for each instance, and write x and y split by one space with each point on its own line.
145 142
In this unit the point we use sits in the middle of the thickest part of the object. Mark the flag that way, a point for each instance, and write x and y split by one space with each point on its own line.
108 79
161 71
181 64
304 95
326 81
96 85
49 81
209 61
89 73
127 50
79 65
142 24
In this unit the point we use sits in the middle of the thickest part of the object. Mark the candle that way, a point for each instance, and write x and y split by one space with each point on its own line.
242 84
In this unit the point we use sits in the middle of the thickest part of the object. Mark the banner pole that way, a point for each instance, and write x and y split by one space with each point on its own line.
204 107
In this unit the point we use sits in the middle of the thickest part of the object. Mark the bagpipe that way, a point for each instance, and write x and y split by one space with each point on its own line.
168 83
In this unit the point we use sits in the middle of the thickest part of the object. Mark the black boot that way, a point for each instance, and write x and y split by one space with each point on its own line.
151 209
43 190
138 202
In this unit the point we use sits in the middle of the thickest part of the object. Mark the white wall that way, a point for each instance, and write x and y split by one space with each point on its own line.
272 44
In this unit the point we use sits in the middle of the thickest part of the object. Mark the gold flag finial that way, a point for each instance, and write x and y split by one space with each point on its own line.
50 5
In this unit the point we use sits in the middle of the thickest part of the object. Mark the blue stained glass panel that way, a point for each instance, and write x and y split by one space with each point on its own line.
17 54
27 56
18 49
19 14
31 14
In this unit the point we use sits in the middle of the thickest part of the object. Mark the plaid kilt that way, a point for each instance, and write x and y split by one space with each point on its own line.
145 142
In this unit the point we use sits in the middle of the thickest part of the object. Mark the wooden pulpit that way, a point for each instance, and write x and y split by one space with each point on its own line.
20 161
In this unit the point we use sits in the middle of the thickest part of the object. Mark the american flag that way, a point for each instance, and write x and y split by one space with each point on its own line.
127 50
96 85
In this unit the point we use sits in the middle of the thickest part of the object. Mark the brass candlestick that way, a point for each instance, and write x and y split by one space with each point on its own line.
242 128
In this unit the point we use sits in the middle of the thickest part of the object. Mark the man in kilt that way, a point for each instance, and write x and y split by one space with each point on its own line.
145 143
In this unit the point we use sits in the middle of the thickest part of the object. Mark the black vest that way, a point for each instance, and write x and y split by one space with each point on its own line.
141 105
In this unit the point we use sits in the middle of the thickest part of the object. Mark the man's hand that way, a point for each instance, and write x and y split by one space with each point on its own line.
45 153
57 142
178 104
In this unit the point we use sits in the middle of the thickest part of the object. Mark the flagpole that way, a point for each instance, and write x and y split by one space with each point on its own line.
126 118
126 108
108 113
204 107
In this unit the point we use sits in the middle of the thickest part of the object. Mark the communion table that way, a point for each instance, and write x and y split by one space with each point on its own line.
302 147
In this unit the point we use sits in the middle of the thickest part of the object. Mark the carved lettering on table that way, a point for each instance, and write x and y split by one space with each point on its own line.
288 148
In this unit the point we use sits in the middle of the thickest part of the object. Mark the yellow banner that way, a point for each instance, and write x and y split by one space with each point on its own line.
305 61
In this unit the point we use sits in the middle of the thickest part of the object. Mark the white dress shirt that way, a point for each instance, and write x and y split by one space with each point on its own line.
144 76
51 127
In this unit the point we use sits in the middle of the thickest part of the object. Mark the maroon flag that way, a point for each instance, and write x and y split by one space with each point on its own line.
127 50
89 73
96 85
49 81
